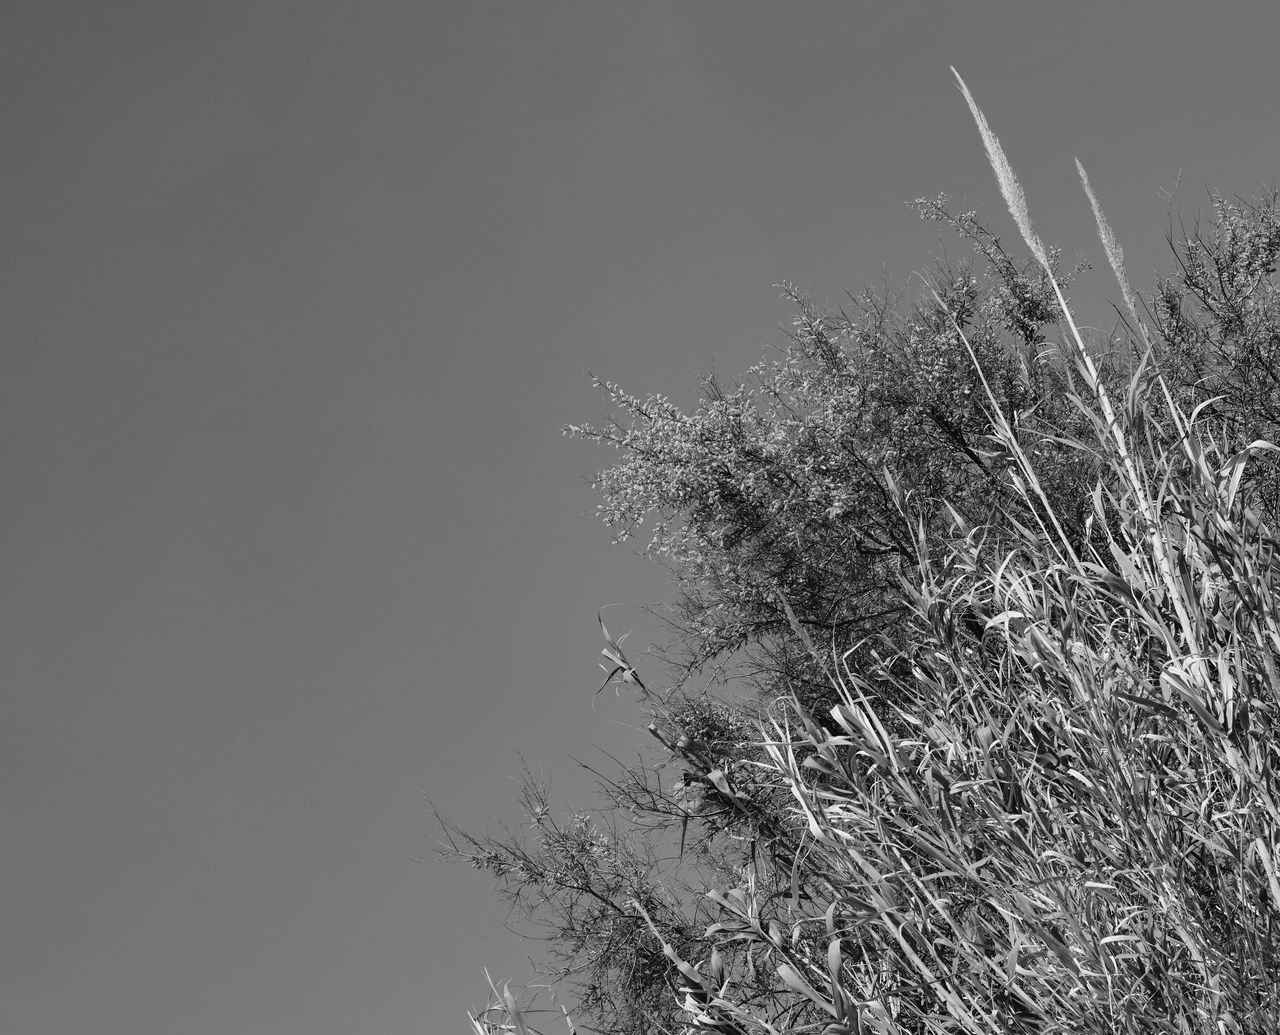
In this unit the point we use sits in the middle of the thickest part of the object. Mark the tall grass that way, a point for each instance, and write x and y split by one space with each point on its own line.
1071 823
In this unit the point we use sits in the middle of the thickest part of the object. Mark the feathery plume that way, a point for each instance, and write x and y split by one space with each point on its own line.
1115 254
1010 188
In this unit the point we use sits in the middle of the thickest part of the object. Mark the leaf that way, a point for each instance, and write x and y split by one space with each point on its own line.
1233 469
1261 848
833 969
797 984
613 644
608 679
717 777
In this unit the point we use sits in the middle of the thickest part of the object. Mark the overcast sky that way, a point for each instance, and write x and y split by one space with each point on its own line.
296 297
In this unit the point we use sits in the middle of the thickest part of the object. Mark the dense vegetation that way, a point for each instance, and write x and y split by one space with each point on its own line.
1005 603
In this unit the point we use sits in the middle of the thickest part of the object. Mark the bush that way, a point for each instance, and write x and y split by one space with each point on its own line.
1042 799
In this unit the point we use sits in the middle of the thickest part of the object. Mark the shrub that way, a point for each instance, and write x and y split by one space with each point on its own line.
1044 799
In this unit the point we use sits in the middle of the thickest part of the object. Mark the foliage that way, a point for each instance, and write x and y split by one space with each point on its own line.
776 488
1010 610
1218 319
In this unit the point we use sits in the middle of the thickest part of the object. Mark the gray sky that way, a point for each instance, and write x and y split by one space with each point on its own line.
295 299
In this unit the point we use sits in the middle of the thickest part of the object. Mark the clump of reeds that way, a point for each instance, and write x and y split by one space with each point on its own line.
1078 831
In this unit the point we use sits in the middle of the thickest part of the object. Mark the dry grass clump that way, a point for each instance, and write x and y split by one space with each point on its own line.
1074 823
